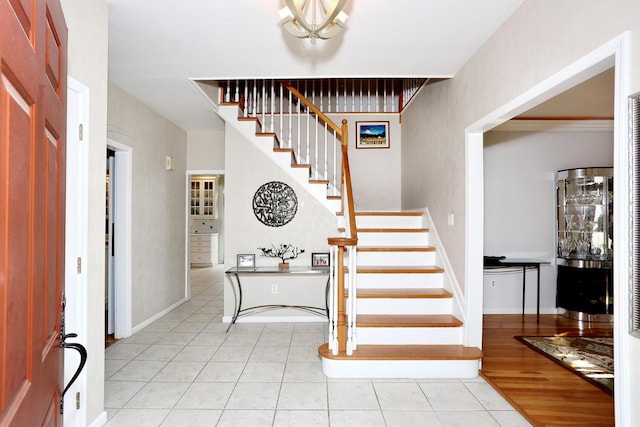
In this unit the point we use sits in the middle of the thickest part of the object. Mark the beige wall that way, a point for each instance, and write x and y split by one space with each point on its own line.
205 151
88 49
537 41
158 211
541 37
375 173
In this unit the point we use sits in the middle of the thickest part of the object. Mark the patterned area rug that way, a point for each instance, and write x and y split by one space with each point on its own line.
589 357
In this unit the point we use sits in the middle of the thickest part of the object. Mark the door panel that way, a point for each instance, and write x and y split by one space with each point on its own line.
32 152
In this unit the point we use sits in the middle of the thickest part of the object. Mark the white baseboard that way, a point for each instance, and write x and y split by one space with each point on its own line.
141 326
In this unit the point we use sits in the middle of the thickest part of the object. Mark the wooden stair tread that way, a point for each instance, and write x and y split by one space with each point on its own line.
399 269
392 230
396 249
406 352
407 320
404 293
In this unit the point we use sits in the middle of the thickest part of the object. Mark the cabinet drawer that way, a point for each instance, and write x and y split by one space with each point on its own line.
201 258
202 249
201 238
197 244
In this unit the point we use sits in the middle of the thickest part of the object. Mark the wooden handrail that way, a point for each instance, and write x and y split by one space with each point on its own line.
313 108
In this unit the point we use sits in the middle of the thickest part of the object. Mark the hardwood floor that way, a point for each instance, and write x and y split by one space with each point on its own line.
544 392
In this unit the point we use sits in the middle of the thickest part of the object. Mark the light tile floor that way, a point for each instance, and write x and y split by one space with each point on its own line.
184 370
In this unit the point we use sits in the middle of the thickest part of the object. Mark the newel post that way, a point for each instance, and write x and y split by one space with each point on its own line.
341 327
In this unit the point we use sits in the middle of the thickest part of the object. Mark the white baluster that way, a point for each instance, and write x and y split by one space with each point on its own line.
326 147
328 96
281 116
254 97
299 118
290 113
369 96
246 100
393 97
308 141
273 106
377 100
333 303
315 153
351 284
353 96
337 148
264 104
237 95
344 95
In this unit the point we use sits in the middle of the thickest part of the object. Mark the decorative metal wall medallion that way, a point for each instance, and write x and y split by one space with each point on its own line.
275 204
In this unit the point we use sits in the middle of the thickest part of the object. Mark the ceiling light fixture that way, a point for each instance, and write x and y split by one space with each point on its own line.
313 19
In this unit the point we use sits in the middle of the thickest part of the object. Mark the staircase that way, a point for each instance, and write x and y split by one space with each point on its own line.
403 318
407 325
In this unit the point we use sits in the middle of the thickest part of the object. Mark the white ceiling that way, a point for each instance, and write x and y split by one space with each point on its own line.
156 47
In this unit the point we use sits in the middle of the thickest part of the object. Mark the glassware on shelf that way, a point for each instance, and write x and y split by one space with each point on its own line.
566 245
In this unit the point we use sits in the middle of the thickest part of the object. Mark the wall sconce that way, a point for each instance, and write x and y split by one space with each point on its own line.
313 19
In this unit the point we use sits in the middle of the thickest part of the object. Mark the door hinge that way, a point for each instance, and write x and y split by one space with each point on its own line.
80 132
79 265
78 400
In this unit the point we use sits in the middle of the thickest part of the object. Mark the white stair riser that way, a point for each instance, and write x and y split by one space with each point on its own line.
333 368
393 238
409 336
408 280
395 258
388 221
404 305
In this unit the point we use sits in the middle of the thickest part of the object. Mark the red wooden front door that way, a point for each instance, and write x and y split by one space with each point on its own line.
33 56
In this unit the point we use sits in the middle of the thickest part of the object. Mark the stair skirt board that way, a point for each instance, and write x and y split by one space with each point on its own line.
356 368
409 336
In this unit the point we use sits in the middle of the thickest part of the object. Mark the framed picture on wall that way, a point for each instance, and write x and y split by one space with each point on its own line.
372 134
246 261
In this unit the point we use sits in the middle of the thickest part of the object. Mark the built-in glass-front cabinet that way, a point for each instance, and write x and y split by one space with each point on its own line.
585 241
203 197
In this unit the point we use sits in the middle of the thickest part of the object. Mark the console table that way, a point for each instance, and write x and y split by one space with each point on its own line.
236 285
524 263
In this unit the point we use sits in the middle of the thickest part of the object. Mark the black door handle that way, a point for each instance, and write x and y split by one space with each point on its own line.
83 360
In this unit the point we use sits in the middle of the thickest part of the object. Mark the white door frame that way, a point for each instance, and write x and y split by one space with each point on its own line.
76 243
614 53
121 187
